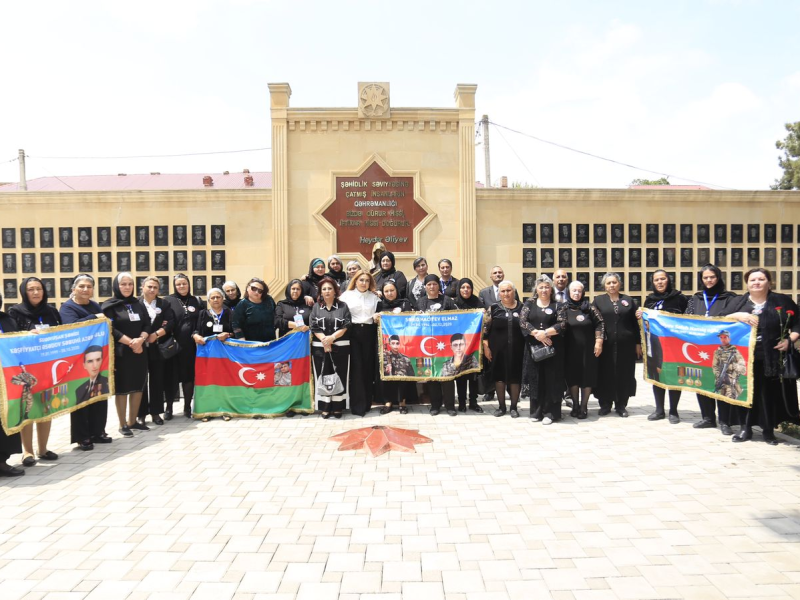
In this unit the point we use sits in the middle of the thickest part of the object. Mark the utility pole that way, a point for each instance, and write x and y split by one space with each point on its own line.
485 121
23 181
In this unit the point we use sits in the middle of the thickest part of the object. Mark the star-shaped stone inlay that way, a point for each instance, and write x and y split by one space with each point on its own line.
380 439
373 100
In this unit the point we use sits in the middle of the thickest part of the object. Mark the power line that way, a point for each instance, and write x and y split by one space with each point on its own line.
489 183
57 177
150 156
10 161
611 160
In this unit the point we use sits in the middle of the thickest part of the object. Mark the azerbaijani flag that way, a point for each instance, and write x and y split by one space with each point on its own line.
253 378
437 346
46 373
684 348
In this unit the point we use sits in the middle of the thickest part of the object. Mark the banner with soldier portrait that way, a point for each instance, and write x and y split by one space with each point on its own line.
712 356
430 346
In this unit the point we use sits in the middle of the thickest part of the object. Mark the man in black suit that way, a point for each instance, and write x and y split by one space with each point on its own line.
96 385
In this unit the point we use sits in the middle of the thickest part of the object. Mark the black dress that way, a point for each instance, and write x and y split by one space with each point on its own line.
774 400
9 444
128 318
154 396
180 368
617 380
467 385
585 326
440 392
329 321
395 391
90 421
208 318
506 343
287 308
545 379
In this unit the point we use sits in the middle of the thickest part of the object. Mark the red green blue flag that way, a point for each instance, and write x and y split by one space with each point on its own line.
430 346
247 379
709 355
54 371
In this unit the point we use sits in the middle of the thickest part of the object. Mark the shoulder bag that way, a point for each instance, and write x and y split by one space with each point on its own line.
329 385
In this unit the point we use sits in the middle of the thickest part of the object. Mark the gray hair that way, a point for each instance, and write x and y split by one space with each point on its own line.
539 280
125 274
576 283
216 289
507 282
80 277
608 276
230 282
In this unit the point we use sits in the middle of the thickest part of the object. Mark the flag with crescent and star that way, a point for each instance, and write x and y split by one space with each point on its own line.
437 346
47 373
248 379
709 355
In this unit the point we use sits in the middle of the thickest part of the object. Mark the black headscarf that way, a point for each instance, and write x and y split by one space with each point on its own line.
718 287
669 293
582 304
473 301
338 276
187 300
301 300
25 308
387 305
391 270
118 298
227 301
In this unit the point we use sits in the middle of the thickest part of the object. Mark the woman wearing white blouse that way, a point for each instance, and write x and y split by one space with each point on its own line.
362 301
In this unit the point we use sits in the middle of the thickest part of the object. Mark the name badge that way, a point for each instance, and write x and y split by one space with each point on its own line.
624 303
158 311
298 320
41 327
217 328
548 311
191 308
133 317
580 318
397 309
209 323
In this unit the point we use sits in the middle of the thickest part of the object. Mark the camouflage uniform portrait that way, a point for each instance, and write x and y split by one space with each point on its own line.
460 362
396 364
728 365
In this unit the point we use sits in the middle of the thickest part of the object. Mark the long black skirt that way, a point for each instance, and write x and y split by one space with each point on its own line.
9 444
773 401
363 352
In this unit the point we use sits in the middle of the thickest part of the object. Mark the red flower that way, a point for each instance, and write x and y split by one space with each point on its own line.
778 308
790 313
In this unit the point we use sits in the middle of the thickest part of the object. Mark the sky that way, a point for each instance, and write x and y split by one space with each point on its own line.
697 90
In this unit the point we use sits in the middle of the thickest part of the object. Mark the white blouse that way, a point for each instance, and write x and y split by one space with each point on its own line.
362 305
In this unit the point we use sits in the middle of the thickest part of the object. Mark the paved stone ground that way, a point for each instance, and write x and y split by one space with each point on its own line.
495 508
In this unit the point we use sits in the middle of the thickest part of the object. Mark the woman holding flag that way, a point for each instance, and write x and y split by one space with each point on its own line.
712 301
9 444
395 363
776 317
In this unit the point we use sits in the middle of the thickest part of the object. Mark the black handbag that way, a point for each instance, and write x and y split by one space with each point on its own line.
541 352
791 363
168 348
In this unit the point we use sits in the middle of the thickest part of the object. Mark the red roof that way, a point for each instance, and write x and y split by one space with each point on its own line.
168 181
668 187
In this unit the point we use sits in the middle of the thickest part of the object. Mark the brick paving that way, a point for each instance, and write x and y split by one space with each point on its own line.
602 509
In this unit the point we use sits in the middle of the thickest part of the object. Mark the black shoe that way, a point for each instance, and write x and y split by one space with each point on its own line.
452 413
743 436
725 429
705 424
488 396
49 455
325 415
28 461
462 408
514 413
140 427
499 412
9 471
674 419
622 413
574 412
102 439
604 411
403 410
435 411
769 438
583 415
187 413
126 431
475 407
385 410
168 415
289 414
337 415
158 420
656 416
86 445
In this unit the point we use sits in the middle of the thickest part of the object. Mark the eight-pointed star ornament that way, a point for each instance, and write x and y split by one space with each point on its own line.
380 439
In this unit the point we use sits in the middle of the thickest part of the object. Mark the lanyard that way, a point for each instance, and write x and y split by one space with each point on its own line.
127 306
705 299
660 303
40 321
217 318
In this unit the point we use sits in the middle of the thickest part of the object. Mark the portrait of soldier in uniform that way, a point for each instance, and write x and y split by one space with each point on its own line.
565 233
460 361
728 365
547 233
582 234
283 373
528 233
395 363
84 237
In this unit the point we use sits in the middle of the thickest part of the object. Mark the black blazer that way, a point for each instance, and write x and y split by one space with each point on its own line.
166 320
487 295
82 393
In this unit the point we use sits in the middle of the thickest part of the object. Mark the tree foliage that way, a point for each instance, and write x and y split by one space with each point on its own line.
662 181
790 161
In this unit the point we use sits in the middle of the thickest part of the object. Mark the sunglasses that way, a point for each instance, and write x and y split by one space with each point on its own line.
257 290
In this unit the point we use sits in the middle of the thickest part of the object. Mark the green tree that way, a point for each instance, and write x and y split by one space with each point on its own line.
790 161
662 181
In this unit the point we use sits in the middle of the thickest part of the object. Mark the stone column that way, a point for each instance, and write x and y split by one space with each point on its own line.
279 94
465 102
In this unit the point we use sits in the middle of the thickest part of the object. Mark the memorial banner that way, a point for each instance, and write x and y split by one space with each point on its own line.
54 371
253 379
709 355
430 346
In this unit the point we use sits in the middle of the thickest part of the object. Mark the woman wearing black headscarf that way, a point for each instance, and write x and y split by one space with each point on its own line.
186 309
388 271
395 363
131 328
254 317
712 301
9 444
336 271
776 317
287 310
232 294
584 343
665 299
316 271
87 425
467 300
34 314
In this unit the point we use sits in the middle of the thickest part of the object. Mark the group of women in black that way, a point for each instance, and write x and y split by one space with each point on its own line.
543 346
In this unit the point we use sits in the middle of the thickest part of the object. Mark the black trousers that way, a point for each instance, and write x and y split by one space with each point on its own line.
88 422
363 352
462 383
728 413
440 391
154 390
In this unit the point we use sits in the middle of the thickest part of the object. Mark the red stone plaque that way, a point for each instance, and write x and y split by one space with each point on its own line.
374 207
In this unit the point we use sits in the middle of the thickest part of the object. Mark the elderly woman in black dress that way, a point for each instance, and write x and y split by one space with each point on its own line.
34 314
232 294
712 301
162 322
466 299
180 368
292 312
584 345
9 444
336 271
543 322
438 391
394 363
666 299
131 329
330 348
504 346
775 316
617 381
389 271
